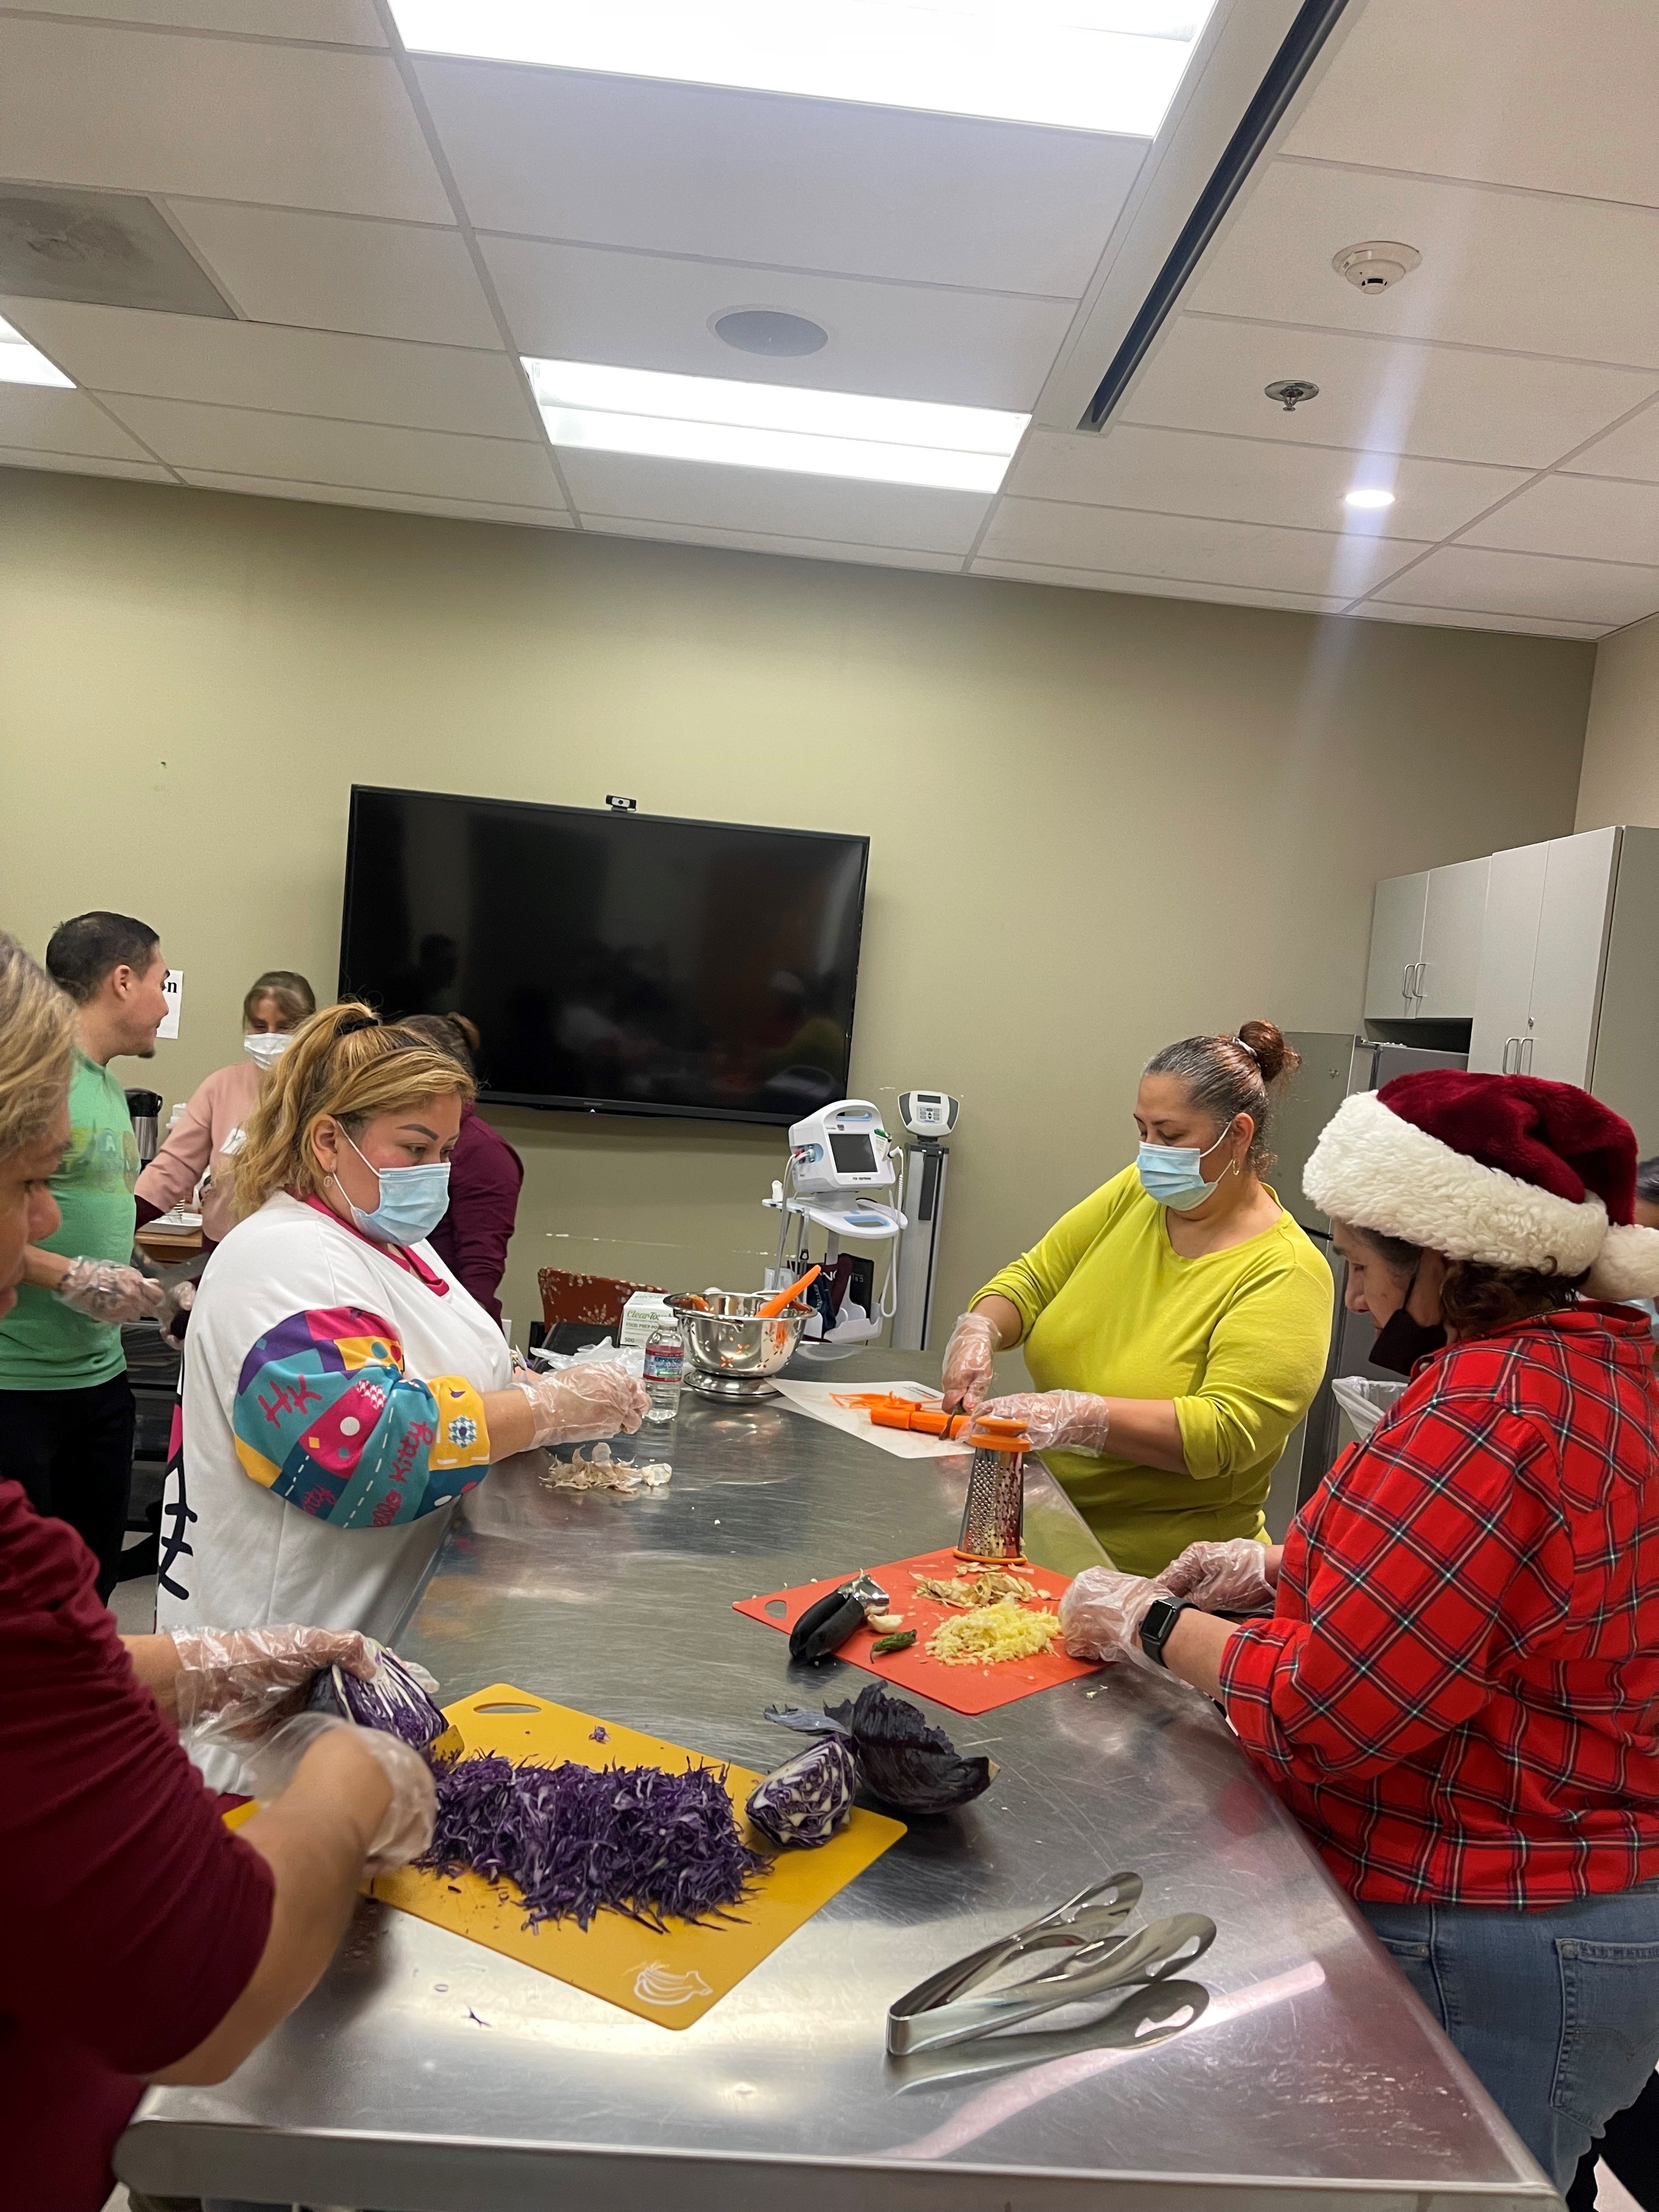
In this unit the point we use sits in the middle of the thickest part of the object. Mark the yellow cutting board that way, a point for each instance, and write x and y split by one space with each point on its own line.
671 1979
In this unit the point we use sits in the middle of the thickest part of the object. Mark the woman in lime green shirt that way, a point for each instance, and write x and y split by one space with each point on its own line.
1176 1323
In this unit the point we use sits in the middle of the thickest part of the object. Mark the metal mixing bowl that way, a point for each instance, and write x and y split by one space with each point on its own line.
728 1354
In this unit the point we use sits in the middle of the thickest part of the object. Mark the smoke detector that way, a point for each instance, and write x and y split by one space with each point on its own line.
1290 392
1374 264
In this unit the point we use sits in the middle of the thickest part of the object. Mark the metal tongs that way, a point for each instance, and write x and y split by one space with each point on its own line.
936 2013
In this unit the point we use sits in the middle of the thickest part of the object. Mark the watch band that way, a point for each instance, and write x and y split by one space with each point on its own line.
1157 1625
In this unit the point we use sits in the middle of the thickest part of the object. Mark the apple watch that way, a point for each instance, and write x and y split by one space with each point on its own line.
1157 1625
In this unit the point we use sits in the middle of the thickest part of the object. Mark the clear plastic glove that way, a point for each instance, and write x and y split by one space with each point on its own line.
174 1312
103 1290
1229 1578
247 1680
405 1826
1101 1613
975 1342
1067 1420
581 1404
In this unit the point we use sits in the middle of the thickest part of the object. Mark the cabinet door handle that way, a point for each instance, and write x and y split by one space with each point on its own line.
1418 973
1406 986
1503 1068
1526 1044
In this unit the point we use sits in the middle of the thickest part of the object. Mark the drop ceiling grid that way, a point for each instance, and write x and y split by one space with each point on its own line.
1525 290
648 217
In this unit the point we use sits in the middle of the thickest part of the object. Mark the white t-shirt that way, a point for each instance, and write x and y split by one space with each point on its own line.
330 1420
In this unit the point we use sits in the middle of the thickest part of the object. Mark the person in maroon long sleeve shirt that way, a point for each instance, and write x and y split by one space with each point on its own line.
485 1177
143 1941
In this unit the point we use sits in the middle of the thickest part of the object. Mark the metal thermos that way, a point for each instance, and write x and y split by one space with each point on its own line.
993 1518
144 1107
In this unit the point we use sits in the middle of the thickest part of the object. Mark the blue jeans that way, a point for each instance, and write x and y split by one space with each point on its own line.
1557 2011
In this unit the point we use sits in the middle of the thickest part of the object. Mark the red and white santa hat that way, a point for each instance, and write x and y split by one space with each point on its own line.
1507 1171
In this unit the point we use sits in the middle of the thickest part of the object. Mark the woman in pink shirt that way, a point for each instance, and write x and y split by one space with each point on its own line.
211 1128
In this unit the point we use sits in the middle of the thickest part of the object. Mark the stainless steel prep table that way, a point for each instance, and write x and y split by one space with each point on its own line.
429 2075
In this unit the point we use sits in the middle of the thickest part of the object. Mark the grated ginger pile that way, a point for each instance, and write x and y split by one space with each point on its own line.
992 1633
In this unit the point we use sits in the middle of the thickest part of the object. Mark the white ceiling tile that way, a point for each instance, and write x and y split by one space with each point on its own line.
772 504
1436 401
82 464
755 541
1156 587
295 372
1482 582
335 22
458 510
649 311
1250 480
1506 269
334 272
740 176
1591 518
62 422
1182 548
225 118
235 440
1453 618
1519 92
1631 450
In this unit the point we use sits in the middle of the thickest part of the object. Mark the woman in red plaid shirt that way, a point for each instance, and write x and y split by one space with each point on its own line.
1457 1692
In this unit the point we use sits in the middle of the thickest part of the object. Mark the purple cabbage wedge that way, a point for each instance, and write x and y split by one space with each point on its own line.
393 1701
901 1759
807 1799
578 1841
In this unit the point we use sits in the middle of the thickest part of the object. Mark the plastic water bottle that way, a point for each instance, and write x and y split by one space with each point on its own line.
665 1358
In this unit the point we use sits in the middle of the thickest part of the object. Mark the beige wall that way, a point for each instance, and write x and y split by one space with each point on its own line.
1097 823
1620 780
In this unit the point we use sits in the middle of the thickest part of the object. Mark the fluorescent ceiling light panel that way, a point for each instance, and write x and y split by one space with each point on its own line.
22 363
1108 65
1368 500
774 426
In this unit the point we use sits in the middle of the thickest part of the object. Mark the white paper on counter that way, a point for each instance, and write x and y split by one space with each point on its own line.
817 1401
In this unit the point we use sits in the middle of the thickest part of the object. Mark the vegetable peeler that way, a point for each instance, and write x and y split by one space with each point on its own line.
938 2012
826 1625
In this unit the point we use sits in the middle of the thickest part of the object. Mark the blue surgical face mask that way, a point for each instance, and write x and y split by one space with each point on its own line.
1172 1175
413 1201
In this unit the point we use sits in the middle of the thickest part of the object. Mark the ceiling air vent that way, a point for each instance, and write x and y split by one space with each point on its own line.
111 249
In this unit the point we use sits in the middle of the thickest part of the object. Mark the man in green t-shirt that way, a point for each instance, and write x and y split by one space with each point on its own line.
66 1408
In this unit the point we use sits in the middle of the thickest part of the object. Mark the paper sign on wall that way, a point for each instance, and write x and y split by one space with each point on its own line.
173 987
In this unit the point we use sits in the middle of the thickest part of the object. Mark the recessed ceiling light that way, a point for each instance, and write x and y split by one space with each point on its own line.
773 426
22 363
1110 66
769 330
1364 497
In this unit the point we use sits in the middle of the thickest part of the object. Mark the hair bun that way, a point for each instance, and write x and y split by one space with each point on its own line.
1266 1040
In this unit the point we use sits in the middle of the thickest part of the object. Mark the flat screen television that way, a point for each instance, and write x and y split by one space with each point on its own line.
618 963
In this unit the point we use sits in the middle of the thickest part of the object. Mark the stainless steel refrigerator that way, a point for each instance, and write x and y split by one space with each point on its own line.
1333 1065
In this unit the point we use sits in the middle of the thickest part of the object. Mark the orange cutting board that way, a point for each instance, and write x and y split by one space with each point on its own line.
963 1689
673 1978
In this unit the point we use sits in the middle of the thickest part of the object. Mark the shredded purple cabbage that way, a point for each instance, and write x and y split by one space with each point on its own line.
393 1701
579 1840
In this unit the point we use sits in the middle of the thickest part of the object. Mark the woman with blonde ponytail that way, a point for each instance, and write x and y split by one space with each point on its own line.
342 1390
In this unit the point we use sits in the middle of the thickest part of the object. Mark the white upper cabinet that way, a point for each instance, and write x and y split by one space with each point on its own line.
1542 949
1449 966
1509 948
1572 938
1426 944
1396 947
